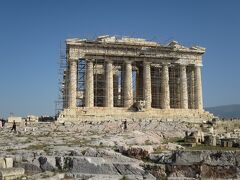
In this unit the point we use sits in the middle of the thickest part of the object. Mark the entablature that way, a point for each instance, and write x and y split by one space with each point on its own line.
134 49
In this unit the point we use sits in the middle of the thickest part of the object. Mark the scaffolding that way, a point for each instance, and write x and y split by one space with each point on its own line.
174 86
63 80
139 81
81 69
156 73
118 84
134 81
99 82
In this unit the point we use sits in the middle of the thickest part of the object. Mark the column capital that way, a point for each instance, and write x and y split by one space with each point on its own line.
89 60
147 62
72 60
197 65
165 64
108 60
128 61
183 64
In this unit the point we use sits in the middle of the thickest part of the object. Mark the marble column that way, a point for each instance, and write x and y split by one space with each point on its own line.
72 99
89 84
147 93
165 96
198 88
191 89
183 88
128 91
109 84
139 79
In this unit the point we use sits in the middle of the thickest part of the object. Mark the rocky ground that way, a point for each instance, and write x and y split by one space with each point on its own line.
102 150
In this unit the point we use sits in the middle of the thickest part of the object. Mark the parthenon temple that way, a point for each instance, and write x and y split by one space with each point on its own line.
110 76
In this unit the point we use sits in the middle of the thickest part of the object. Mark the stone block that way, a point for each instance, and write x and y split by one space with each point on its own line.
91 152
29 167
90 165
237 157
47 163
219 172
187 157
127 169
9 162
2 163
221 158
11 173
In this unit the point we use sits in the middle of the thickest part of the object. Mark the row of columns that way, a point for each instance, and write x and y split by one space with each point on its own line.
128 91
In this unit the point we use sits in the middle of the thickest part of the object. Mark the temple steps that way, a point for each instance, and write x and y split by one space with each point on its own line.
102 114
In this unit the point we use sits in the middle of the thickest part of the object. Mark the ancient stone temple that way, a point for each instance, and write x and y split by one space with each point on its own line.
109 77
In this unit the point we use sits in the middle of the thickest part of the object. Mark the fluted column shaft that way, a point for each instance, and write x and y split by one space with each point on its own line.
183 87
165 96
72 99
109 84
191 89
147 96
89 85
198 88
128 91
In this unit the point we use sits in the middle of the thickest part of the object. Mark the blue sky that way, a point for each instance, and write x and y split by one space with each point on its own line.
31 32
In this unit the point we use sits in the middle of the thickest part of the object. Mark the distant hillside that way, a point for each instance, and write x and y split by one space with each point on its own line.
226 111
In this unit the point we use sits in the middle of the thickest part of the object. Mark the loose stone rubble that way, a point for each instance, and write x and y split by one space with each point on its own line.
87 149
148 149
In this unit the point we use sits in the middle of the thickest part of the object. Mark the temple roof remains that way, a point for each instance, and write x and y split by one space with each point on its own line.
108 40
